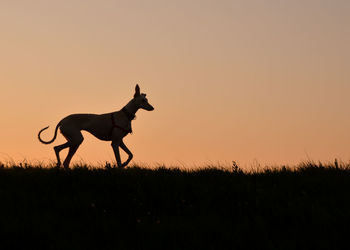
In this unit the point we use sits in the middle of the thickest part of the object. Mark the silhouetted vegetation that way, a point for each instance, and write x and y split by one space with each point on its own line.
211 208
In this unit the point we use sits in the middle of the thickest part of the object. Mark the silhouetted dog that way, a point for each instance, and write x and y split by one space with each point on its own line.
108 127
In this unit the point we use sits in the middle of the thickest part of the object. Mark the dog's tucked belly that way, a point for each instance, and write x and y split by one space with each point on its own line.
102 135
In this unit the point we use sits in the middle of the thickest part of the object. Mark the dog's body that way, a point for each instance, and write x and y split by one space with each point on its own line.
107 127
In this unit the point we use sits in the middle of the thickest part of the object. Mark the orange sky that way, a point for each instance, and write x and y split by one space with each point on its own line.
250 81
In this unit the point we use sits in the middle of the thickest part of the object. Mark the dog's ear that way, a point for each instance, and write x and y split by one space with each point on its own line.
137 91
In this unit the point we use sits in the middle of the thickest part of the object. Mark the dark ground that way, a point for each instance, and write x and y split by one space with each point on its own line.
138 208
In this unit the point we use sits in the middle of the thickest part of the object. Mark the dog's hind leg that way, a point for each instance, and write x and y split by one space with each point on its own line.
74 139
74 143
57 152
71 152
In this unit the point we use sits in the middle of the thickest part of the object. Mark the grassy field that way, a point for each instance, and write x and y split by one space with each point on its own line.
307 207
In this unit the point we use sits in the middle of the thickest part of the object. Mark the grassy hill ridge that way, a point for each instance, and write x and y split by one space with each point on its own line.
209 208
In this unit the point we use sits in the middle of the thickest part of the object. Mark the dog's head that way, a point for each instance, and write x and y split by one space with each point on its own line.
140 100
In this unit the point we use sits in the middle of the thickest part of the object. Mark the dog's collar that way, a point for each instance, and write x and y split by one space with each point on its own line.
128 114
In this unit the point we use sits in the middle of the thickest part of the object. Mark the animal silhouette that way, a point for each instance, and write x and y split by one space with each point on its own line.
107 127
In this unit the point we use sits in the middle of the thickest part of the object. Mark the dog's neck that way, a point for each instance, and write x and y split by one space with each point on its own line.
130 110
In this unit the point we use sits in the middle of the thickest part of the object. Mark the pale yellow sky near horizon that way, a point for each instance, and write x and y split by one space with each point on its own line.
250 81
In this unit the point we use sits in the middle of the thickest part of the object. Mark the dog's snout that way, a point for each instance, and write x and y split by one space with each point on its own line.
149 107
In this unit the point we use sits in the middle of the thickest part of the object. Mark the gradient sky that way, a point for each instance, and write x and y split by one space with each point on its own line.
250 81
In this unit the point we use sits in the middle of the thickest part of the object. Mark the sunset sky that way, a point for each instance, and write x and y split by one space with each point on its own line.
249 80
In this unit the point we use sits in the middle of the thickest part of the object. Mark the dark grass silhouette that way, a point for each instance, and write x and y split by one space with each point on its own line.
137 208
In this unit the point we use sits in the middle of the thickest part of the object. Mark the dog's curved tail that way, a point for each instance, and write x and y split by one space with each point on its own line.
54 137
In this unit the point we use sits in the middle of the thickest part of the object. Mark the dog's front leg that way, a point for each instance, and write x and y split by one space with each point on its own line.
125 148
115 146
